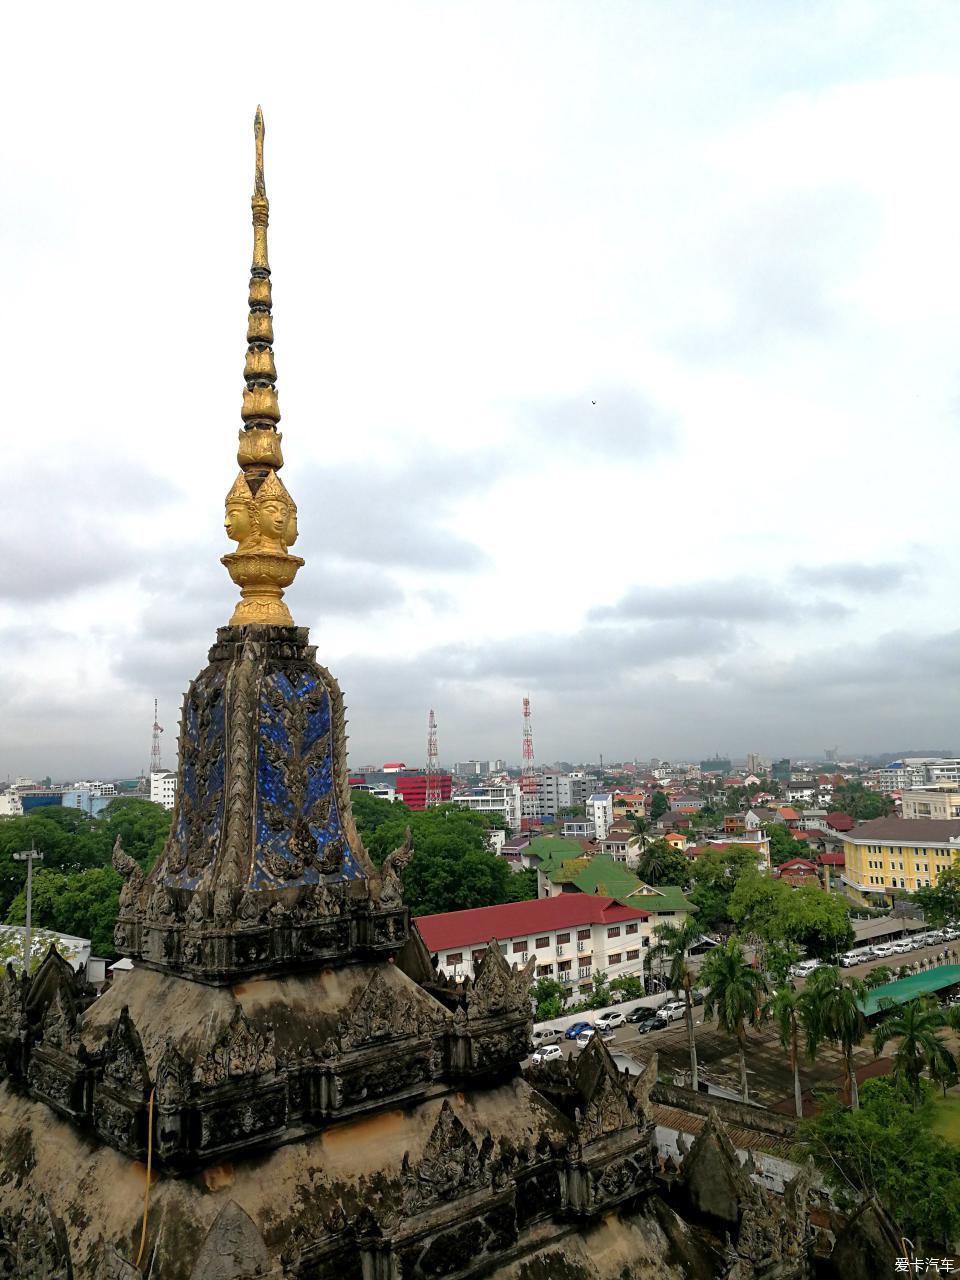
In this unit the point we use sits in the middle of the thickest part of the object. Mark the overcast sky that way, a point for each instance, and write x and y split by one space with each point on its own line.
619 364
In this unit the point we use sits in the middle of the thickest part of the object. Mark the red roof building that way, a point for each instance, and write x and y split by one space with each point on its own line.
568 937
840 821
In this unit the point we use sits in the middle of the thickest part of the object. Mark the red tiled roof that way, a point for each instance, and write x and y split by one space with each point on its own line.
798 864
831 860
515 919
785 811
840 821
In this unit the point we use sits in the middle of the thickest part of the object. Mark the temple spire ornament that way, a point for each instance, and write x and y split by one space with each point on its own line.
261 517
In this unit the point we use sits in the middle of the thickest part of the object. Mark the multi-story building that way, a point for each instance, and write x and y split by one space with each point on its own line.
497 797
87 798
571 937
163 788
10 804
939 800
412 788
600 809
563 790
892 854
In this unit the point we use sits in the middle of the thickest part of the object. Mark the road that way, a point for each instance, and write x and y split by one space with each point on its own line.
770 1074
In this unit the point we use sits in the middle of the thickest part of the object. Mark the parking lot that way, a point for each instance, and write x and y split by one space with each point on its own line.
768 1069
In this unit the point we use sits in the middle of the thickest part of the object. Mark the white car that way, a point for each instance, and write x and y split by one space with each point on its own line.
672 1011
547 1053
544 1035
883 950
608 1021
584 1038
804 968
901 948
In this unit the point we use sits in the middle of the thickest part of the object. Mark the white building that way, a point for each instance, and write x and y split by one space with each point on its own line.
600 809
163 788
10 805
940 800
571 936
504 798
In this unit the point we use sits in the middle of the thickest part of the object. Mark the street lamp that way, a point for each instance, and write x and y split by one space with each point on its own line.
29 856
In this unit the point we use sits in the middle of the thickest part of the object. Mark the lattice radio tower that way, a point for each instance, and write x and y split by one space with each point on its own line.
434 796
529 792
155 763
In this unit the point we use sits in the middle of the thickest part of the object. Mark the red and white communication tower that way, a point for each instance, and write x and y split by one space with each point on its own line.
434 795
155 763
530 815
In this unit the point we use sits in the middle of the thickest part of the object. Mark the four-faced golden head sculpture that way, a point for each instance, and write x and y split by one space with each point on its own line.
260 516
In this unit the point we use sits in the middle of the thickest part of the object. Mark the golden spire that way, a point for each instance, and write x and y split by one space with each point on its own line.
260 514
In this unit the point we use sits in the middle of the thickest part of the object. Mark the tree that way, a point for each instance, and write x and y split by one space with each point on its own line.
452 868
714 875
550 998
779 960
82 903
11 948
854 799
674 941
599 997
783 846
915 1025
522 885
734 997
940 902
662 864
659 805
787 1013
888 1149
774 910
632 987
832 1012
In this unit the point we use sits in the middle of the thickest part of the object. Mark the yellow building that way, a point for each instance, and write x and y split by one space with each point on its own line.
894 854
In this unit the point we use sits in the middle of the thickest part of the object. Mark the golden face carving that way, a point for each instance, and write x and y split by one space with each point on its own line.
291 532
272 516
239 520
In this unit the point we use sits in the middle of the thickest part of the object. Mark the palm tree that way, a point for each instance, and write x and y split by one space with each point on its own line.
915 1025
654 861
878 976
831 1011
786 1010
675 942
734 993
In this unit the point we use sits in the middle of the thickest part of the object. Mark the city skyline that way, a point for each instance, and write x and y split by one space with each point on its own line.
627 379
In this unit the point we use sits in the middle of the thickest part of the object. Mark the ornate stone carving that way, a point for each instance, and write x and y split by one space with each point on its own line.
125 1065
379 1012
451 1165
233 1249
12 1000
499 987
173 1078
133 880
115 1267
59 1026
391 887
42 1249
239 1051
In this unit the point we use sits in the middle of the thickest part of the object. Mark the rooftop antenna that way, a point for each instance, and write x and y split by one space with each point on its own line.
156 765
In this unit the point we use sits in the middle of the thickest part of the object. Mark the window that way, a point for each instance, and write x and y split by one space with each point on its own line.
633 955
615 959
564 966
631 928
562 938
583 935
644 942
520 946
613 931
544 970
455 957
542 942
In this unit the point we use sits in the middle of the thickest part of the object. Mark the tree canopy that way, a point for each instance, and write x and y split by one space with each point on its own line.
659 804
853 798
783 846
889 1149
660 863
452 867
75 889
940 902
775 912
714 876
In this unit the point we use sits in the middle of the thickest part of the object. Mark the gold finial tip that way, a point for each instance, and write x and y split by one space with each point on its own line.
258 120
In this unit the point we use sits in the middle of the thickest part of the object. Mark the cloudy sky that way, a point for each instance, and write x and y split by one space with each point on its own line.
619 355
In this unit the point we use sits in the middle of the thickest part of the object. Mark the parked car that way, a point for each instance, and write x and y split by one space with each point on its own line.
850 958
883 950
804 968
548 1053
544 1035
901 948
672 1011
571 1033
607 1021
641 1014
651 1022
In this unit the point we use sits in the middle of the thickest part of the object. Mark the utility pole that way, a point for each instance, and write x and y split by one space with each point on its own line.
29 856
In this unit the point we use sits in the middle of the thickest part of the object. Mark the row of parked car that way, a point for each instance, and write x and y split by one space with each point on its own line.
546 1041
900 947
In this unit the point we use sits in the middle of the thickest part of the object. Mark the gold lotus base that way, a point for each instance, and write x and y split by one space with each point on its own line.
261 577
